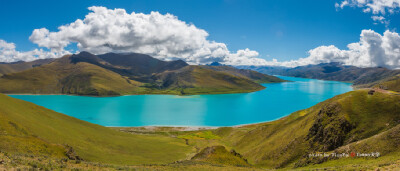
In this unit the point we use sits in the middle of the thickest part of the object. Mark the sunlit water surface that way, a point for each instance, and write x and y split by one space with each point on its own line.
276 101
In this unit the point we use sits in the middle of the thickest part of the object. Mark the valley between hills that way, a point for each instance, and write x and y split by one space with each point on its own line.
363 121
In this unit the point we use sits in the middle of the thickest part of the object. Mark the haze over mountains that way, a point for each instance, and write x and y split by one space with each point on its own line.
360 77
6 68
119 74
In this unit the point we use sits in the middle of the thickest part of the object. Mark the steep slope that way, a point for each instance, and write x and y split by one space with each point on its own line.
131 64
392 84
6 68
330 126
141 64
27 129
253 75
201 80
64 77
121 74
219 155
358 121
332 71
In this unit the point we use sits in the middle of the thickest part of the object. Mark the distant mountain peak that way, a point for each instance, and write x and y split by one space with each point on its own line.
134 73
215 64
84 53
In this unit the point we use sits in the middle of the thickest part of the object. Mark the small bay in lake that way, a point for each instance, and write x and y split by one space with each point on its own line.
274 102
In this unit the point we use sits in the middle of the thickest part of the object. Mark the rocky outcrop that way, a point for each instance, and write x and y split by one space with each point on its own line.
219 155
329 130
70 153
371 92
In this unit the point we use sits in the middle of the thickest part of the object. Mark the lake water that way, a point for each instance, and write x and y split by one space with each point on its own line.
274 102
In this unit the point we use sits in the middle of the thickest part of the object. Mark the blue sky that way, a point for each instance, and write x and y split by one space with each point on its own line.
281 29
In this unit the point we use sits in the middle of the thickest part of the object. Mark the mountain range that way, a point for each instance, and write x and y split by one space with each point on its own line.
6 68
336 134
360 77
114 74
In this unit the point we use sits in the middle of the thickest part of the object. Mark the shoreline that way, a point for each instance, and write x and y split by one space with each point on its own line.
182 127
164 128
183 95
194 128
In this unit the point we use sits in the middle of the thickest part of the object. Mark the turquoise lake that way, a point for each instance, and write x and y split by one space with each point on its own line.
274 102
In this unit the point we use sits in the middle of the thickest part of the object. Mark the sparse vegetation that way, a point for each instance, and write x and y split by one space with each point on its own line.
358 121
29 129
200 135
117 74
7 68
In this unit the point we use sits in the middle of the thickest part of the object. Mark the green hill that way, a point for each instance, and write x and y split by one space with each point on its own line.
358 121
340 123
33 137
123 74
6 68
141 64
28 129
133 65
201 80
392 83
64 77
253 75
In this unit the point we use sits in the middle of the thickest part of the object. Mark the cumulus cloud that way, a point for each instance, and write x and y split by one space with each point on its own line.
8 53
378 8
373 50
166 37
162 36
375 6
380 19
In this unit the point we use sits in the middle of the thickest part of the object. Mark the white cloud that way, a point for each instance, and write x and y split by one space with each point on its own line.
372 50
166 37
375 6
378 8
244 57
380 19
342 5
8 53
162 36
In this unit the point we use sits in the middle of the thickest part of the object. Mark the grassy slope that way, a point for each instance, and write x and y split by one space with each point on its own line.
206 79
6 68
353 121
139 64
386 142
200 80
283 143
392 84
63 77
253 75
286 142
26 128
